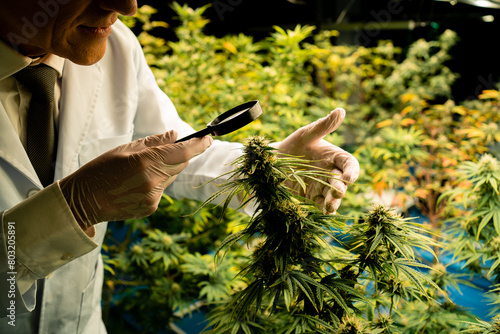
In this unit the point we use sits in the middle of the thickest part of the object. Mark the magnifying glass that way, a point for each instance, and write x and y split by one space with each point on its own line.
230 121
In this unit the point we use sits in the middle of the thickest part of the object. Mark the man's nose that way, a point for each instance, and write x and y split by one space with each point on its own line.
123 7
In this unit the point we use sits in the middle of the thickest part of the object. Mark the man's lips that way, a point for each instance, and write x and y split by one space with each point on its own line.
96 31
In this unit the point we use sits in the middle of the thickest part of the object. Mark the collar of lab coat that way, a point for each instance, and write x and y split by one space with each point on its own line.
79 92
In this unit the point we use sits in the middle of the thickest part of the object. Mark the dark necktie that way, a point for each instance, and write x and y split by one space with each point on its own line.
41 139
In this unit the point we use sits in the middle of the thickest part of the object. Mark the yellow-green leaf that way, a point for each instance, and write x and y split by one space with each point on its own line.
230 47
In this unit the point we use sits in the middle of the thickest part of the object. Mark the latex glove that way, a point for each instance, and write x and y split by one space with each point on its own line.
308 142
128 181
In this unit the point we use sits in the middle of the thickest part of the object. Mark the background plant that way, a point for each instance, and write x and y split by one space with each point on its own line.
475 229
417 150
406 133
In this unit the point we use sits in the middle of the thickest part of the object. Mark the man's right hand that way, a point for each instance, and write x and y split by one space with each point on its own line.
128 181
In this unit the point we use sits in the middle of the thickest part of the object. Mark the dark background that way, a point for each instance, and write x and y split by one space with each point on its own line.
475 57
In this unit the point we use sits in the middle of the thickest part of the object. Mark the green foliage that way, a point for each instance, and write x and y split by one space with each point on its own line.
367 281
475 230
484 327
494 297
417 150
476 233
295 81
432 318
369 81
161 266
298 281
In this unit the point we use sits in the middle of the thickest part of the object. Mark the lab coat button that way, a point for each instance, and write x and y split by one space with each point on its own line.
31 192
67 256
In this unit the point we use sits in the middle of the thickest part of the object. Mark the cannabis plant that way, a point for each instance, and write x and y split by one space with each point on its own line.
311 272
372 80
475 231
439 315
157 271
416 152
298 74
483 327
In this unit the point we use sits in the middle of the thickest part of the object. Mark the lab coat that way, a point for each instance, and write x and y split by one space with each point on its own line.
102 106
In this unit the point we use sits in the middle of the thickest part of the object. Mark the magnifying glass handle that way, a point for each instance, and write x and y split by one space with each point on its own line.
201 133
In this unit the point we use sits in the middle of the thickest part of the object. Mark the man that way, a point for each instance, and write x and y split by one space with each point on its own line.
109 165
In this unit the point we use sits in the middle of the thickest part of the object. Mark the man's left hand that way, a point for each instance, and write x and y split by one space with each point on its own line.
308 143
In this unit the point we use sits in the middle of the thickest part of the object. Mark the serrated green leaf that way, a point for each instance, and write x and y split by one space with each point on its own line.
486 219
496 220
494 185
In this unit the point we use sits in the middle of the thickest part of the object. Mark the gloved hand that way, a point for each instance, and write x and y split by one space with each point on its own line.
308 142
128 181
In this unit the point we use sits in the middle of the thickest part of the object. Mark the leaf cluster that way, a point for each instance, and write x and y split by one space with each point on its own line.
157 271
407 140
475 233
417 151
296 276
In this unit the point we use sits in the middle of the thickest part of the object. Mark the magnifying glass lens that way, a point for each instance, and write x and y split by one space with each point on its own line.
233 116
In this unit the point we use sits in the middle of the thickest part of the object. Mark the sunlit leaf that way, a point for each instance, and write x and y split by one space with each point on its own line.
385 123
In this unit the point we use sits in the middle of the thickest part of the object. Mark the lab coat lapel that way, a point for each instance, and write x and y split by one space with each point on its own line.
79 93
12 150
79 97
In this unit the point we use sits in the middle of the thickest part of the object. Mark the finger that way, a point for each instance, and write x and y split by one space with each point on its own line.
316 131
332 201
338 187
181 152
331 206
149 141
328 202
332 194
341 160
166 182
320 201
348 164
168 137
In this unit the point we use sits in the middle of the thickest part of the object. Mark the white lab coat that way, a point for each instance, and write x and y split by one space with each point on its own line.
102 106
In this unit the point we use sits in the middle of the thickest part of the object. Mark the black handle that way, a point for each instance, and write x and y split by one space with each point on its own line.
201 133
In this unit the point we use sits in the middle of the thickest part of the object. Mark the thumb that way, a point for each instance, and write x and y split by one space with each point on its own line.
317 130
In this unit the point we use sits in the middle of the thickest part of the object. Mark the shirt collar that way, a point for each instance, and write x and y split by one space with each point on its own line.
12 61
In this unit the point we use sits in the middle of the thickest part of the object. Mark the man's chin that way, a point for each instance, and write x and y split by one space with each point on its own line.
87 56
